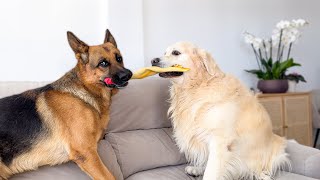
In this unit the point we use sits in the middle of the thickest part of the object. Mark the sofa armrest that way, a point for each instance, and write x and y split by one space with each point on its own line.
304 160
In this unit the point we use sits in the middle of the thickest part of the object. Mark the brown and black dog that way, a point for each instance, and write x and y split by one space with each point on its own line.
63 121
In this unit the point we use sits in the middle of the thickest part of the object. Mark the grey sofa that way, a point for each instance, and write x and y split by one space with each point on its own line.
138 144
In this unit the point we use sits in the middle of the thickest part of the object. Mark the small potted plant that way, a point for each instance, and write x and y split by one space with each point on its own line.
273 55
293 80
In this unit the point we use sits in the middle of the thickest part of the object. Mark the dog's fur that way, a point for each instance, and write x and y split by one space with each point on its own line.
218 123
64 120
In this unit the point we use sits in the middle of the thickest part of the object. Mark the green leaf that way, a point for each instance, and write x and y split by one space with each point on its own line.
301 78
275 70
260 74
283 67
266 65
270 62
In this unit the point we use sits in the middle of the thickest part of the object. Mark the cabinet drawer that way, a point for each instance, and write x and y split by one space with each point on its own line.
297 118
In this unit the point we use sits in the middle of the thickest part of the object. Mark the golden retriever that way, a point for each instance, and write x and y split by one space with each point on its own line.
218 123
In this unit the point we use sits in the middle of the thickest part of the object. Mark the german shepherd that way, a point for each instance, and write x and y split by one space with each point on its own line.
63 121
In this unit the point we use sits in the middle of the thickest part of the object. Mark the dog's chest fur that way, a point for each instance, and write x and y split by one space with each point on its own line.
189 136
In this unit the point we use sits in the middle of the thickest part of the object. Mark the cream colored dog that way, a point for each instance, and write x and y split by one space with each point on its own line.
218 123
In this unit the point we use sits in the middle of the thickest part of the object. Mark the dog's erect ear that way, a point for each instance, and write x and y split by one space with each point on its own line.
79 47
76 44
109 38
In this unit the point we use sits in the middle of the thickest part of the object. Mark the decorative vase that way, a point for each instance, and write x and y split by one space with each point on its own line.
273 86
292 86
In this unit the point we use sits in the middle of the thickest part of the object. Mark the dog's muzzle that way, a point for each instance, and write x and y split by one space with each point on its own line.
157 62
119 80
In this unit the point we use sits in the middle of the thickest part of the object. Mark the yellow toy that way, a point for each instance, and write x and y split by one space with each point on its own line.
150 71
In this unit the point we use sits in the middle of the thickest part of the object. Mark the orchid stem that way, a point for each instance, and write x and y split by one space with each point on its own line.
271 48
279 47
260 55
256 54
265 49
289 51
281 54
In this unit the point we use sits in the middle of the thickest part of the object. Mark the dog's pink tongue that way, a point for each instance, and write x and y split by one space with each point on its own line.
108 81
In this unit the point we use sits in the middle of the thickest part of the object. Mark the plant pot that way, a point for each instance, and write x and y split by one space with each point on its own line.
273 86
292 86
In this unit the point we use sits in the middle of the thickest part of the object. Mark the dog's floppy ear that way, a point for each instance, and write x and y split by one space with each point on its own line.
109 38
208 62
79 47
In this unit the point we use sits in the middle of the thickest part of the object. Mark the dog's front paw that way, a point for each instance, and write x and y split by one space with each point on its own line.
194 171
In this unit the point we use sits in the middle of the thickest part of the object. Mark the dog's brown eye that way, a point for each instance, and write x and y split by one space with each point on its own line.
118 58
176 53
104 63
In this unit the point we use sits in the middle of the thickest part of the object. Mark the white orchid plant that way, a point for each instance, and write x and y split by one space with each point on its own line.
269 53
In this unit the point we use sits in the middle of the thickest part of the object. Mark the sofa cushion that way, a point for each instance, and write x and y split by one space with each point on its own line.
68 171
141 105
145 149
71 171
304 159
291 176
11 88
164 173
178 173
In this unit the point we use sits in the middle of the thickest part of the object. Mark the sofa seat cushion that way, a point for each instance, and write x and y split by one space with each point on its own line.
178 173
164 173
304 159
70 171
145 149
291 176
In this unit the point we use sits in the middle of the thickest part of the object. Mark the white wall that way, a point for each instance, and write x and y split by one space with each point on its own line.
126 22
33 44
218 25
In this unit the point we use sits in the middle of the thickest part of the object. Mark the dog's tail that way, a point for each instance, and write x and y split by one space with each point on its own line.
278 159
281 159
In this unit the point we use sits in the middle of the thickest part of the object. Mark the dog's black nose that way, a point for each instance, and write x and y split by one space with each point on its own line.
123 76
155 61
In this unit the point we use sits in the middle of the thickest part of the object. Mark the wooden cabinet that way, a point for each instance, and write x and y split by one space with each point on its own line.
290 115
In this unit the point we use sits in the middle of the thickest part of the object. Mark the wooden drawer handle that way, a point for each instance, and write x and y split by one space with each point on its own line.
285 127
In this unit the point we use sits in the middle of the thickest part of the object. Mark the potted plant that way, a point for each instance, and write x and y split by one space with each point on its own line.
273 55
293 80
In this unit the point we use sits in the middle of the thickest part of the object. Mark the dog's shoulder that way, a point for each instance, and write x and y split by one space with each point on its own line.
71 84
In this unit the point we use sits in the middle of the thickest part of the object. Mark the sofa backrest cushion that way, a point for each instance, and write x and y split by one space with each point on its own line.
15 87
143 104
